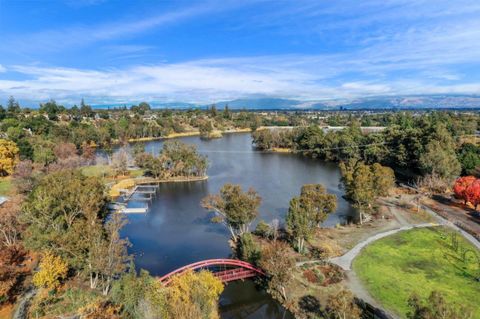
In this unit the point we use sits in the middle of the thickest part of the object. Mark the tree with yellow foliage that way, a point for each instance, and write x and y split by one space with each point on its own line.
194 295
52 270
8 157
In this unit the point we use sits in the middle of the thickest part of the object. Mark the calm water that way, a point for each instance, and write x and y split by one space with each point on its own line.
177 231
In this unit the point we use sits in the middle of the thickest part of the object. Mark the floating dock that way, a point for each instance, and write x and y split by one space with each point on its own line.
128 195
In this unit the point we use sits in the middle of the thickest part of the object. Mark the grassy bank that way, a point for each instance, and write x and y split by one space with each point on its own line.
419 261
186 134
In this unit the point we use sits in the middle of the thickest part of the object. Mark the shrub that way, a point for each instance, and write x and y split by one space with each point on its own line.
314 276
320 276
262 229
52 270
247 249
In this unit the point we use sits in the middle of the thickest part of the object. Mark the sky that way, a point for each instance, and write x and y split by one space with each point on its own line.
123 51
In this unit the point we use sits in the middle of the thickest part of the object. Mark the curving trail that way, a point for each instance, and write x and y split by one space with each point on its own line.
345 261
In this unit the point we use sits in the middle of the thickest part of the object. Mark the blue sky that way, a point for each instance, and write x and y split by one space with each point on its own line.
204 51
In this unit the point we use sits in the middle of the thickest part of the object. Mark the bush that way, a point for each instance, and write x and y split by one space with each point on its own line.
320 276
262 229
247 249
314 276
310 276
52 270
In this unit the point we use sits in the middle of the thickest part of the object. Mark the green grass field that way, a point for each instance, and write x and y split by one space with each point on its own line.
5 186
107 171
97 170
420 261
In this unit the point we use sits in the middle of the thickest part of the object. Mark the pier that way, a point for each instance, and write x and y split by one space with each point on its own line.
149 191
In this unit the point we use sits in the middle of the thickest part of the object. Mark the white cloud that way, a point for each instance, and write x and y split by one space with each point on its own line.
205 81
420 47
2 69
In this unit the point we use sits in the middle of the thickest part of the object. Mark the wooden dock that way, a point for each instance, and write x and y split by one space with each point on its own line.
145 189
138 210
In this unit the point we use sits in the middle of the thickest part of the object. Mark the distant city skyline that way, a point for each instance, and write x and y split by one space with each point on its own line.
112 52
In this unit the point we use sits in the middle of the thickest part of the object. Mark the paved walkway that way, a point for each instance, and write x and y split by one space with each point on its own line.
345 261
448 223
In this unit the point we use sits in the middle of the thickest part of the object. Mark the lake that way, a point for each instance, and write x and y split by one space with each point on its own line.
177 230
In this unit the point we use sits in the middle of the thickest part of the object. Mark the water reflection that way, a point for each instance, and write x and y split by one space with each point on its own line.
177 231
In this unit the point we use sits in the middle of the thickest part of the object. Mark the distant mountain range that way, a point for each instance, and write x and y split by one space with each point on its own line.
378 102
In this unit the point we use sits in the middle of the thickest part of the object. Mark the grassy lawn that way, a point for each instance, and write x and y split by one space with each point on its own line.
97 170
420 261
5 186
107 171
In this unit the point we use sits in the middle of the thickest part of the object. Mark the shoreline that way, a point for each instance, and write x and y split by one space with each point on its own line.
131 183
146 180
183 134
281 150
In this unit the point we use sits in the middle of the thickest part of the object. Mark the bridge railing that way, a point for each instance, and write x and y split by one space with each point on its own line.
210 263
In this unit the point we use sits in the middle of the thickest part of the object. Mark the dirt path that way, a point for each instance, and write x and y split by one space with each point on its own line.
21 310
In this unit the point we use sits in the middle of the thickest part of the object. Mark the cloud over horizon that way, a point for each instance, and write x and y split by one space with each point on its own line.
310 51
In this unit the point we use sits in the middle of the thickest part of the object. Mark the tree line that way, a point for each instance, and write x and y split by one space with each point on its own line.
438 144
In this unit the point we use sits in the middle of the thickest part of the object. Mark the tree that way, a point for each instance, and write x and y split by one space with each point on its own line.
61 214
108 257
141 296
11 273
383 179
213 110
461 185
65 150
120 162
247 249
43 152
23 178
51 109
12 106
86 110
436 307
226 113
141 109
88 152
8 157
236 209
300 222
363 183
357 179
472 193
278 264
342 306
469 157
439 155
180 159
441 160
205 128
10 226
319 200
52 271
194 295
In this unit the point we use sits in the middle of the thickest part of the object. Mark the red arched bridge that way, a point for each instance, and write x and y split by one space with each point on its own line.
224 269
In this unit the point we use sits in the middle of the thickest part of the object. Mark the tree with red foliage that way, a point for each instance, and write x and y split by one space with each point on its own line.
473 193
461 185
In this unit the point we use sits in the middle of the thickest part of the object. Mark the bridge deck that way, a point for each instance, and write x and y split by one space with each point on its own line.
225 269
